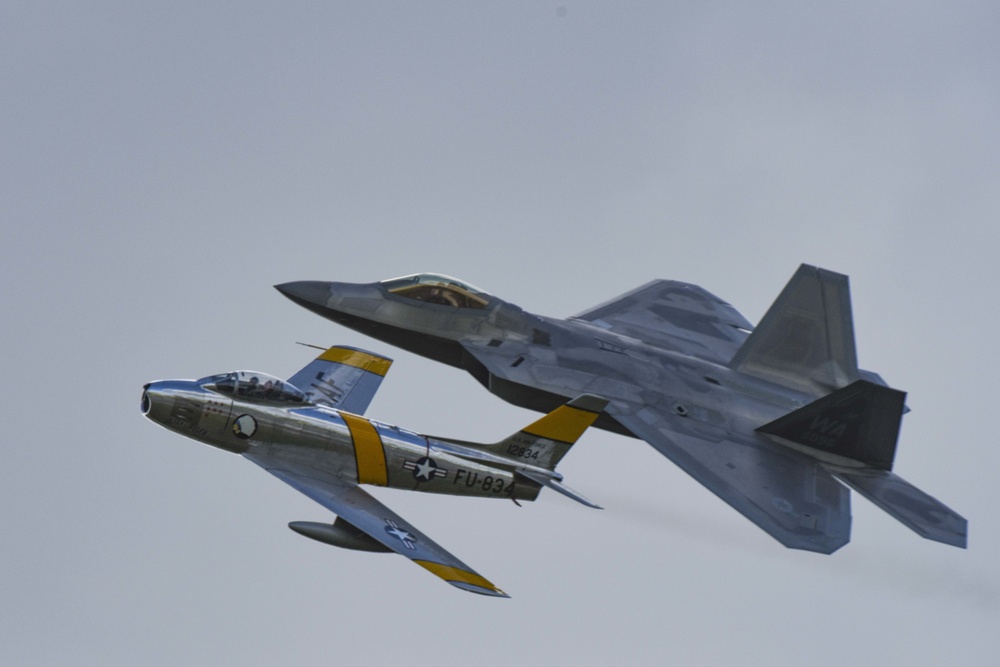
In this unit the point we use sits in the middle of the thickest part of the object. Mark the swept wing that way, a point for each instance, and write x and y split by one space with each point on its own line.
788 494
674 315
352 504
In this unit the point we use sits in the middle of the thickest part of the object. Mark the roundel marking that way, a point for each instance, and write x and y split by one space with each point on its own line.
244 427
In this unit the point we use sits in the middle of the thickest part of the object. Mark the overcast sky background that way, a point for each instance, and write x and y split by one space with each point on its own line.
162 165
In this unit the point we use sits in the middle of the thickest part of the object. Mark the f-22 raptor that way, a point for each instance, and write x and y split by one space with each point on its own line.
308 432
768 418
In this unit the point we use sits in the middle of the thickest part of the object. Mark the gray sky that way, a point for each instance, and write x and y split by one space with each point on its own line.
162 165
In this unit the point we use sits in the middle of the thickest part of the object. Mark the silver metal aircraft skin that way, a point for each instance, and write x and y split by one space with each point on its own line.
767 418
308 432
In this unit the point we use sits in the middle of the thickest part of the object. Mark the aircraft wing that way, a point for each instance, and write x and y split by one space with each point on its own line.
677 316
791 496
354 505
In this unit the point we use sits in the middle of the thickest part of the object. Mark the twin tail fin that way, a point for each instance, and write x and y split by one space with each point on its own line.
853 432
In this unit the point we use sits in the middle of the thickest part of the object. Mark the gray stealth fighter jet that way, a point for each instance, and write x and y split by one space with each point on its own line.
767 418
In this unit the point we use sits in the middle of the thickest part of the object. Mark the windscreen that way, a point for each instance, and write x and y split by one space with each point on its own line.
438 289
250 385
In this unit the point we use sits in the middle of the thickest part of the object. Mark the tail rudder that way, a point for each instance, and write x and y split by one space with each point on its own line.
806 339
343 377
546 441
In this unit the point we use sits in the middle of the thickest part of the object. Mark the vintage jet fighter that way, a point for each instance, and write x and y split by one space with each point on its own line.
767 418
308 432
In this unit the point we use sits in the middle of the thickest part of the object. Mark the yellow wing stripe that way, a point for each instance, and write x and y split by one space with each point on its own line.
357 359
565 424
368 450
449 573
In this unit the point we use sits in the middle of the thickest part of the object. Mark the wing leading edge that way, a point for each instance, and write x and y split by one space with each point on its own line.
355 506
675 315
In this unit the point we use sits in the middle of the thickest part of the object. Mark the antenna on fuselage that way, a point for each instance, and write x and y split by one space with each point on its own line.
310 345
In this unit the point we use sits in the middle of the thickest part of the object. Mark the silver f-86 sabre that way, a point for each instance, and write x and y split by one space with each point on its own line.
767 418
308 432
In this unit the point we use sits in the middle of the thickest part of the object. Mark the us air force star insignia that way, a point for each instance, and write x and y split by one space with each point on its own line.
409 541
425 469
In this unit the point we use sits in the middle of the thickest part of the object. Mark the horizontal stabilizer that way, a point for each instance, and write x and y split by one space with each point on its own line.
916 510
556 485
859 422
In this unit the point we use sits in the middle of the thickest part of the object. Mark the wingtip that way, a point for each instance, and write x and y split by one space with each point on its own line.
479 590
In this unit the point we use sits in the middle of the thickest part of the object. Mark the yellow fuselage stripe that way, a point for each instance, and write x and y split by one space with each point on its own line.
565 424
367 450
449 573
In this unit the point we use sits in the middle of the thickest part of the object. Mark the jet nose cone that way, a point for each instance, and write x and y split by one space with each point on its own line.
306 292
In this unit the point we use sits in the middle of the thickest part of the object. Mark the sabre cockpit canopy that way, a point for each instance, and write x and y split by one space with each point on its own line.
253 386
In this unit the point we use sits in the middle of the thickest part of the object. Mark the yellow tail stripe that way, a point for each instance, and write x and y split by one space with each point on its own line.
357 359
565 424
449 573
368 450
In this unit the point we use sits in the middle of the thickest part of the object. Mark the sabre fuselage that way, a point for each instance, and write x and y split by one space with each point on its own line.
349 446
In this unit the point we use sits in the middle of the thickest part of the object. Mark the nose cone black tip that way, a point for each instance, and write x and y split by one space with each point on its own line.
306 292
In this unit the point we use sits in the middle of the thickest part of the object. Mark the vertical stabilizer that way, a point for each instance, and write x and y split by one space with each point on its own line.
859 423
806 340
546 441
343 377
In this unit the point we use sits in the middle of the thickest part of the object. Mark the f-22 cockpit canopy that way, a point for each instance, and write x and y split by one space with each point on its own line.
253 386
438 289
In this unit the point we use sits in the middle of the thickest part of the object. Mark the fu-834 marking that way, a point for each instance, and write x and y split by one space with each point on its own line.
488 483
